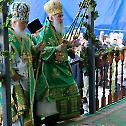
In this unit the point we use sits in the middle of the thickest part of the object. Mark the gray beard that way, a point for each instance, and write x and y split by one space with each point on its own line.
59 27
19 32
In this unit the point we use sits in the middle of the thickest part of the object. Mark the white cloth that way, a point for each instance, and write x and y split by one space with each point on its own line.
46 108
17 123
86 85
22 69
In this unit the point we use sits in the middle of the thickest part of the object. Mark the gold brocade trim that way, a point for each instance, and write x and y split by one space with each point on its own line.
72 89
1 118
63 91
0 110
26 56
20 113
20 97
22 107
15 49
29 57
15 118
59 57
12 37
25 49
12 101
29 122
23 56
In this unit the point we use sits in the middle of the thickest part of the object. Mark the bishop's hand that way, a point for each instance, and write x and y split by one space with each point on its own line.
40 46
61 47
16 77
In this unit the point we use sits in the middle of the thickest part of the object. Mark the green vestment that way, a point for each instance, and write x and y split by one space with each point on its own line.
56 81
22 92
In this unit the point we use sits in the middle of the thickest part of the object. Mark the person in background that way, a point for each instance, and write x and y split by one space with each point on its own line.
120 40
75 62
111 38
115 39
119 46
35 27
106 42
101 36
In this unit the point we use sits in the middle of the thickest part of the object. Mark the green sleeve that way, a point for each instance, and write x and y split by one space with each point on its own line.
34 40
49 50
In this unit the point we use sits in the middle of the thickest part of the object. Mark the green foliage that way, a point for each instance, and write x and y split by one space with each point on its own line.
83 24
84 57
9 1
89 32
93 4
7 23
1 2
4 53
94 13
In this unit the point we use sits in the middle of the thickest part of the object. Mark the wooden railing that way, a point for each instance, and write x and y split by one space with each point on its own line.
109 63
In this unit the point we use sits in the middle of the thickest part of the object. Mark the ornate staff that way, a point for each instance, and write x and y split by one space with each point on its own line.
88 5
84 4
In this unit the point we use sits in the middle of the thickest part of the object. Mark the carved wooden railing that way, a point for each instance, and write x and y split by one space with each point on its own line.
109 63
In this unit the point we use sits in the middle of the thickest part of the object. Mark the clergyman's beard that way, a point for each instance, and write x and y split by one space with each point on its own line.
19 32
59 27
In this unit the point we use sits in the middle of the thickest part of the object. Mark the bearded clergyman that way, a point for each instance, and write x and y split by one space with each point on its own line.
57 94
22 75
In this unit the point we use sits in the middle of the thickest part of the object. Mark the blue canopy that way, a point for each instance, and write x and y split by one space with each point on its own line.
111 13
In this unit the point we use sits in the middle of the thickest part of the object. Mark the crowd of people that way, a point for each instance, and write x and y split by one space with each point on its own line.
105 42
114 39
